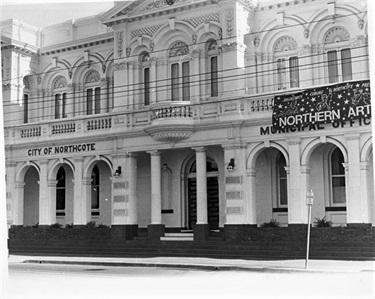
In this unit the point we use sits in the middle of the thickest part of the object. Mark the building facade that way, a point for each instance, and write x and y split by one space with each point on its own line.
199 115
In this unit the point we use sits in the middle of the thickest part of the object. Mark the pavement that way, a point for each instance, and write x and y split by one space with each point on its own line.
209 264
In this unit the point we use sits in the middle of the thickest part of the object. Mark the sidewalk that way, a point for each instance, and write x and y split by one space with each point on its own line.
282 266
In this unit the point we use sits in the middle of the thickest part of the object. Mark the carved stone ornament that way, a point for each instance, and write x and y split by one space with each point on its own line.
361 23
152 46
306 33
256 42
285 43
128 51
59 82
26 83
39 80
211 45
92 76
178 48
119 44
120 66
336 34
229 21
194 38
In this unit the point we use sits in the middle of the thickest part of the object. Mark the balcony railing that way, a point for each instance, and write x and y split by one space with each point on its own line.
165 114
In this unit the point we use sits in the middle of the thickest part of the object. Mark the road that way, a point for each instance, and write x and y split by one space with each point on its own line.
76 281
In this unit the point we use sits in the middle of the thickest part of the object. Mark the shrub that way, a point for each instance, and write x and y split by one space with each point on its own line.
101 225
322 222
56 225
36 225
69 225
90 224
271 223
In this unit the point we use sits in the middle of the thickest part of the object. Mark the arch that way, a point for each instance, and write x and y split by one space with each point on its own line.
56 165
285 43
336 34
89 165
91 76
251 160
59 82
366 150
20 174
309 148
178 48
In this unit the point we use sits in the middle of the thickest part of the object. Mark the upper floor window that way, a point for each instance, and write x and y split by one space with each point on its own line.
337 177
287 65
180 71
93 92
59 86
282 185
339 61
144 59
211 47
25 100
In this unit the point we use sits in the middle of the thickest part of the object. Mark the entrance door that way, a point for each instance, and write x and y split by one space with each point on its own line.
212 202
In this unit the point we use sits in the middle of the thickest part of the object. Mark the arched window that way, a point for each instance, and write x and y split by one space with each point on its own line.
180 71
282 184
92 80
211 49
144 60
59 86
287 65
25 101
339 59
60 192
337 178
95 188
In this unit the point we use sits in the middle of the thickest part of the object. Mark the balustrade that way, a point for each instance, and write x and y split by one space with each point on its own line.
31 132
99 124
63 128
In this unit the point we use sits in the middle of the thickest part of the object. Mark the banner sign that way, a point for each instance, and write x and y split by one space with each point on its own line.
322 105
64 149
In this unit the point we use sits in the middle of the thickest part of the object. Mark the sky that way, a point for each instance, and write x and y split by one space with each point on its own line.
41 13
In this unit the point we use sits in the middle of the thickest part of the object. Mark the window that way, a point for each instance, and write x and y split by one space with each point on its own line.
282 183
339 61
180 71
337 178
144 60
95 185
287 69
93 100
60 103
214 77
146 86
60 191
25 108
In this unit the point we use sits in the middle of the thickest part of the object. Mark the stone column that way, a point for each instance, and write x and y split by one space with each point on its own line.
103 96
121 87
194 77
156 228
305 187
296 205
124 220
78 213
153 81
18 203
353 188
69 104
251 203
366 201
201 229
11 197
44 195
86 200
131 86
52 199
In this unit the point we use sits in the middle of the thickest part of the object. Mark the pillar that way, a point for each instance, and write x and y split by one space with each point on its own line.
355 209
194 77
201 229
18 203
366 203
103 96
78 184
69 108
156 228
296 202
153 81
44 195
251 207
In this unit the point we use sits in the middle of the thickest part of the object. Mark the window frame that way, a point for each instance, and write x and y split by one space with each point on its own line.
180 90
286 82
95 98
59 189
338 47
279 180
333 176
25 103
60 109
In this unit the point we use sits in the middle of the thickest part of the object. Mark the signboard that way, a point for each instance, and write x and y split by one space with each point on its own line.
330 104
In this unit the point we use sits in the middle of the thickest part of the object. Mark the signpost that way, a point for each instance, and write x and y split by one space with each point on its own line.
309 202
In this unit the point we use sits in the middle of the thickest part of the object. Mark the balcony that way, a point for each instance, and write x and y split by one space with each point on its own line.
168 122
171 121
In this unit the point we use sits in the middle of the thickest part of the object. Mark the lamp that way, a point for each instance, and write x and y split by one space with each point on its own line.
117 172
170 2
230 166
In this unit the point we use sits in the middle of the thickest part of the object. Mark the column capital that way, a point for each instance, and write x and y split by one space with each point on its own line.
251 172
78 159
52 183
132 155
10 164
305 169
87 181
234 146
154 153
352 137
199 149
19 185
44 162
294 141
346 166
365 166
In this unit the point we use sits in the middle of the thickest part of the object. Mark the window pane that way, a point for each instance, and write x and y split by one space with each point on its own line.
283 196
336 162
97 100
185 81
63 105
146 82
346 61
175 81
294 72
281 73
57 106
89 101
338 190
95 188
25 108
214 77
60 189
333 73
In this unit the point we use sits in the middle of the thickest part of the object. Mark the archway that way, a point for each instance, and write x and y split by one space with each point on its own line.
31 197
213 212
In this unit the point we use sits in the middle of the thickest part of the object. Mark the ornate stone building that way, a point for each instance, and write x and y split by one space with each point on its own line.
190 116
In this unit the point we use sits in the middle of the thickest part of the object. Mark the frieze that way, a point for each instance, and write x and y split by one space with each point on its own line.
196 21
120 66
119 44
150 31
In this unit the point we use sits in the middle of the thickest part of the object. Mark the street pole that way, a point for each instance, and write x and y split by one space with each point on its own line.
309 201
